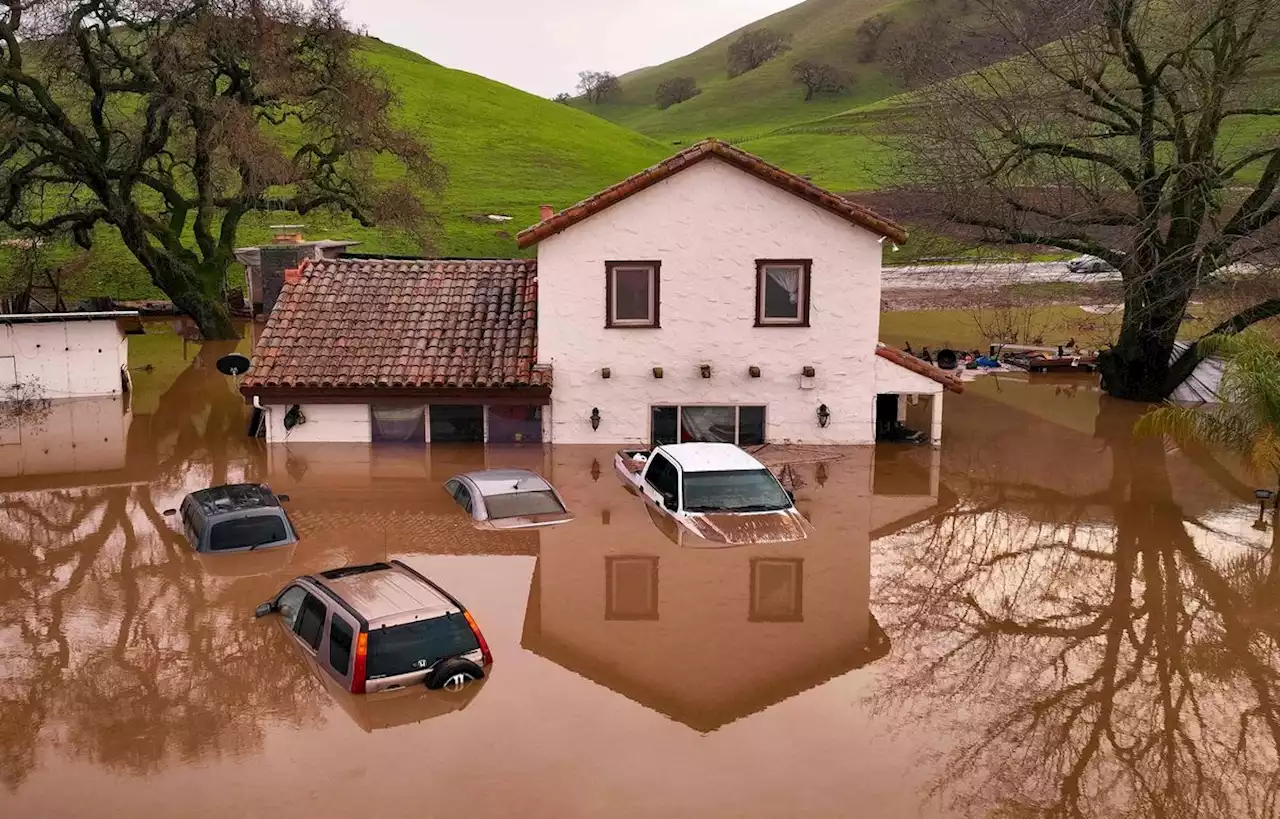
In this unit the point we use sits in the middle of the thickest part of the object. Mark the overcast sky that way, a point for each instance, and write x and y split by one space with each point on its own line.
541 45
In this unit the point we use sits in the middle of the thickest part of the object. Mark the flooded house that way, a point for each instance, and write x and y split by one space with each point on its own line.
711 297
67 355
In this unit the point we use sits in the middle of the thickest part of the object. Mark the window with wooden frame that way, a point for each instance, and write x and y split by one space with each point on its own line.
782 292
632 294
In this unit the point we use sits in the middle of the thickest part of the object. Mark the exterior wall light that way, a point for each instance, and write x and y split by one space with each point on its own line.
808 372
824 416
595 418
657 372
706 370
753 371
605 372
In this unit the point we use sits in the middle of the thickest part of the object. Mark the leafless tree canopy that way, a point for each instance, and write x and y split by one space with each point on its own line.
675 91
170 119
598 86
1145 133
35 278
754 48
818 78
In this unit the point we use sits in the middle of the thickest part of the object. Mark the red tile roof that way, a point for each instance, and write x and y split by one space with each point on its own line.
947 379
754 165
403 324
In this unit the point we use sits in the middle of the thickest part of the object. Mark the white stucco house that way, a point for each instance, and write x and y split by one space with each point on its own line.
67 355
711 297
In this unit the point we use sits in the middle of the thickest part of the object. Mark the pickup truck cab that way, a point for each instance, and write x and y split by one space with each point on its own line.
716 491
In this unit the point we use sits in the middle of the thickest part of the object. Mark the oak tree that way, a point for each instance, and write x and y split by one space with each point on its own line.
172 120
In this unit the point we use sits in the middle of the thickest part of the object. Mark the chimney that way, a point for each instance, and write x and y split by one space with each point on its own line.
286 234
547 212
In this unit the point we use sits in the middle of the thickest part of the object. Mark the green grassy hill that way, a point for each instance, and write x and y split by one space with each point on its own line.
767 98
507 152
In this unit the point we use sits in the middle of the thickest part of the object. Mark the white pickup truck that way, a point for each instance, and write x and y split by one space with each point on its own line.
716 491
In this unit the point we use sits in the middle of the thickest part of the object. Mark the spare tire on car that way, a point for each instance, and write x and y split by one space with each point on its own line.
454 674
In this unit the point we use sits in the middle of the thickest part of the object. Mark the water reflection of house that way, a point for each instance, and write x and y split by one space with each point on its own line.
83 435
708 636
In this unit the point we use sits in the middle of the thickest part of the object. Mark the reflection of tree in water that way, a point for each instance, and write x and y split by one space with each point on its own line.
113 638
1079 667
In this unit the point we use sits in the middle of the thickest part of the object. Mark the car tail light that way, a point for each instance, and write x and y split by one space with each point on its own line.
484 646
362 660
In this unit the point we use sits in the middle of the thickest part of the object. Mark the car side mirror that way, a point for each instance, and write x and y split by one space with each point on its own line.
282 498
264 609
671 502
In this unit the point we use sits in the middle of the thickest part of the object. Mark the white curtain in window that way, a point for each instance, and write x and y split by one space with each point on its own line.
397 423
788 278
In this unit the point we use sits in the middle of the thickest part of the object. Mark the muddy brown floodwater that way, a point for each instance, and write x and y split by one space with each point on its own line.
1045 618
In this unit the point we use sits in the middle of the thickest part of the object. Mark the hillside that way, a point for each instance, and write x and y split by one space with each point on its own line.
507 152
760 101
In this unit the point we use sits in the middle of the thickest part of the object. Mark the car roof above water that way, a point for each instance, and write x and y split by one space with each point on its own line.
387 594
507 481
238 497
710 457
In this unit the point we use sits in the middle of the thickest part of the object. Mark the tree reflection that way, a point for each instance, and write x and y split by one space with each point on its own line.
115 646
1084 664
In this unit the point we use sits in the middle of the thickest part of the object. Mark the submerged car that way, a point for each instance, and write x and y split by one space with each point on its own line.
239 517
1089 264
382 627
716 491
508 499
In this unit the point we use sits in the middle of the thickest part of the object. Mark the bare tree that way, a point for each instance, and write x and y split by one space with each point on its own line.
562 98
1144 135
598 86
754 48
171 120
31 277
818 78
868 36
675 91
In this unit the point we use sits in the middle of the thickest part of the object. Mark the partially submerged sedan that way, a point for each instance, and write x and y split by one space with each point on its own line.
508 499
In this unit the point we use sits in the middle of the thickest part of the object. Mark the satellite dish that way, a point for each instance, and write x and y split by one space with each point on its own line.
234 364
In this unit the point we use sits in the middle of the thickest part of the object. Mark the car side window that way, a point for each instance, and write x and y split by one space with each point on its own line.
662 476
290 604
463 497
341 636
310 623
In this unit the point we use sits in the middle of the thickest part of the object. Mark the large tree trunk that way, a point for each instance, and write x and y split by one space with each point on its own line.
1137 365
195 291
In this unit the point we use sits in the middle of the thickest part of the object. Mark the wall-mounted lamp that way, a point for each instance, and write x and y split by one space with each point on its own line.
595 469
808 372
824 416
605 372
753 371
706 370
595 418
657 372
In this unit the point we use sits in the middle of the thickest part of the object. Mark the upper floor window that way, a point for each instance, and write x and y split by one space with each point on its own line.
782 292
631 294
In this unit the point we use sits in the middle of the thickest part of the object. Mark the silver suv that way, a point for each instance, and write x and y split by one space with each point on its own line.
381 627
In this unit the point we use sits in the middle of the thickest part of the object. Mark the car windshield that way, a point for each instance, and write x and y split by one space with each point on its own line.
745 490
519 504
412 647
246 533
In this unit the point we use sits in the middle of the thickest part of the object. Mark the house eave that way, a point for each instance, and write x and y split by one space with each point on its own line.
278 394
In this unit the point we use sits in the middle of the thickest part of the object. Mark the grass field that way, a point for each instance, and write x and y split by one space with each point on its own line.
506 151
